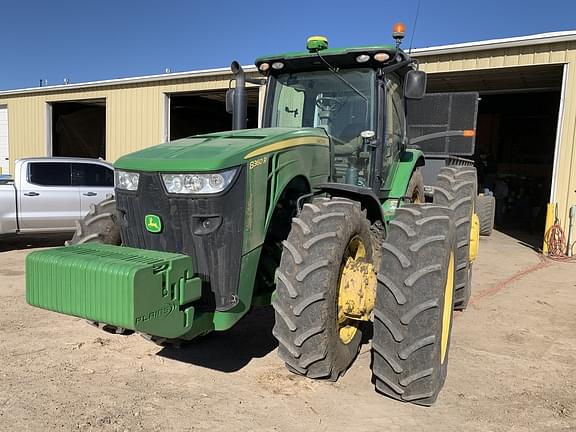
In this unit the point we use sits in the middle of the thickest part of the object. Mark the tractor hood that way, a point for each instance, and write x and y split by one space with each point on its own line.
221 150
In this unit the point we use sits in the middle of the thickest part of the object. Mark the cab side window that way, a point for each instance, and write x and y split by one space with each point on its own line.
290 108
395 116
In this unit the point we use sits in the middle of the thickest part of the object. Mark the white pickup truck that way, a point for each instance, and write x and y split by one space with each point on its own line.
47 195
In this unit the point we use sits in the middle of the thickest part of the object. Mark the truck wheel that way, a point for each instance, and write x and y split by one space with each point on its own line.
315 338
100 225
486 209
414 304
415 190
456 188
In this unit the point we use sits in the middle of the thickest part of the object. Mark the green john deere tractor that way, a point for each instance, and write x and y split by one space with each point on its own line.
320 213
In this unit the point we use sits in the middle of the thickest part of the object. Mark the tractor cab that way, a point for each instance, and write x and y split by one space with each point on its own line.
354 94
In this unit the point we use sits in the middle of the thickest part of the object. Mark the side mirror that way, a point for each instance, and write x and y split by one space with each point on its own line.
415 84
230 101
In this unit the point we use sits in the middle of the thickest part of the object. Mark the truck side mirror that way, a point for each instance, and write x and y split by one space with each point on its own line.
415 84
230 101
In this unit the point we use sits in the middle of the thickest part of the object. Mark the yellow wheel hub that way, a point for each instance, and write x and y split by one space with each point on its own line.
447 310
474 237
356 290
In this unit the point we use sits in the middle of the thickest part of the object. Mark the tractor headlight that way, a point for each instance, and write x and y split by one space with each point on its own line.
127 180
209 183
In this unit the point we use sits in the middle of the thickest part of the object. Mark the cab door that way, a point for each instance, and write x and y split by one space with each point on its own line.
47 199
395 128
94 181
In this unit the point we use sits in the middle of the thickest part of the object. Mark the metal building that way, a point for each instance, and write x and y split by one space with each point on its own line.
525 137
110 118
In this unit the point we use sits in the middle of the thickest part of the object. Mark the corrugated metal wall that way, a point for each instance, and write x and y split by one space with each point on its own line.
134 114
545 54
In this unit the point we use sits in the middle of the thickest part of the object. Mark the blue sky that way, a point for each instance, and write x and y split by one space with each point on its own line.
87 41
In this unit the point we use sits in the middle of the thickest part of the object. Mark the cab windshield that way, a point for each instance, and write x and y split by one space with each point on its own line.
343 105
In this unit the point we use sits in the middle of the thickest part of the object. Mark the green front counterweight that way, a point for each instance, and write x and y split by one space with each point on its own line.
142 290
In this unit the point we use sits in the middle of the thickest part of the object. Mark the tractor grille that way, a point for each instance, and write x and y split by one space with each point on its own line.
209 229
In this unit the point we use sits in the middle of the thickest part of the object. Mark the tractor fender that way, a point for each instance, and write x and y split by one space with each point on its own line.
299 183
367 198
410 159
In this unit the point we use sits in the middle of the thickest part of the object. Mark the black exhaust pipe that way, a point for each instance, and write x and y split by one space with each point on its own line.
239 114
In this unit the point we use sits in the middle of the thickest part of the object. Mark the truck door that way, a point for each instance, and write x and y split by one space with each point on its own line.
47 199
94 181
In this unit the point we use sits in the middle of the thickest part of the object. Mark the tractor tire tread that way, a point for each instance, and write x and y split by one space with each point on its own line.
406 362
486 210
456 188
306 288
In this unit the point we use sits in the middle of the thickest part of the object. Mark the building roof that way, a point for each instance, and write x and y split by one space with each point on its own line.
536 39
123 81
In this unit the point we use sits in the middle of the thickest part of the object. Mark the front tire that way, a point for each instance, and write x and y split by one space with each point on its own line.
313 341
414 304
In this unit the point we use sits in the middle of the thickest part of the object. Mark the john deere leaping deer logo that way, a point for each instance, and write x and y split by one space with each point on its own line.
153 223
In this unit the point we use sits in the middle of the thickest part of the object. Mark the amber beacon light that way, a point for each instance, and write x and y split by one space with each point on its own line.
398 31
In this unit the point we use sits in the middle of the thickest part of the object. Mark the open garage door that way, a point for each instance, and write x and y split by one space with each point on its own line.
515 140
79 128
204 112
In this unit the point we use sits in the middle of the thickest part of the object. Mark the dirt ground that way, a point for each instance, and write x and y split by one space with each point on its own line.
512 366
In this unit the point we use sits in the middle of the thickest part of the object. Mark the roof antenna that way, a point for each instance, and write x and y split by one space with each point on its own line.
414 27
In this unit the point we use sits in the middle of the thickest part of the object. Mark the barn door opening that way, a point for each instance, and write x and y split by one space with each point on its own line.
204 112
78 128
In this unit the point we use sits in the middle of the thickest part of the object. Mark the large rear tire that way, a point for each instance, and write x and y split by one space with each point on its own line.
414 304
100 225
486 210
415 190
456 189
312 340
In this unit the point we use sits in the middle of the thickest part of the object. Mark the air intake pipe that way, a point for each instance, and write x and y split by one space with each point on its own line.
239 113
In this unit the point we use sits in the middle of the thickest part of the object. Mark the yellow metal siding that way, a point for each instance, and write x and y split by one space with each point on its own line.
566 170
134 114
495 58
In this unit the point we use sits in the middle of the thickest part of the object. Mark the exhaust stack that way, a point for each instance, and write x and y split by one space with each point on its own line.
239 113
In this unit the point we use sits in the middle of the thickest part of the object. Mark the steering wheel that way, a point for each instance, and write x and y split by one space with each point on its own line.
330 104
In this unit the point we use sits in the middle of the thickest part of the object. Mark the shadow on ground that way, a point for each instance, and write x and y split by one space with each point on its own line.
531 240
21 242
231 350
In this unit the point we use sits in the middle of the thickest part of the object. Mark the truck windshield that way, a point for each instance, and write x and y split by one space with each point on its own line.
322 99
